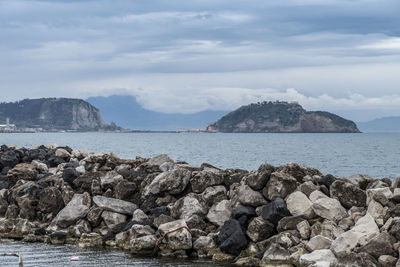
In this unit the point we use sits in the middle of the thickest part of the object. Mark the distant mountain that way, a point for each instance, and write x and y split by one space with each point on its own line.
127 113
53 114
386 124
281 117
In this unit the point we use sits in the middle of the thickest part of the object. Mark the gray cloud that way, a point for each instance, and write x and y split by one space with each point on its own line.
189 56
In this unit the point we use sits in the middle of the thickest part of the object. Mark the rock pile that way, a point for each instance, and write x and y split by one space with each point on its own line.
290 215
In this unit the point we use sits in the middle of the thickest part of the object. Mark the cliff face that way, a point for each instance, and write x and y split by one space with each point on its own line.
281 117
53 114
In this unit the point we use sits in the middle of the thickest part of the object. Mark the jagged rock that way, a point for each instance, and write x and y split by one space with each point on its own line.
299 204
259 229
220 212
115 205
175 182
138 230
159 160
279 186
114 221
275 211
395 229
327 228
244 214
298 171
317 257
76 209
232 176
110 179
125 190
12 212
90 240
348 194
375 193
85 181
304 229
243 194
387 261
178 240
79 228
40 166
308 187
214 194
248 262
200 180
58 238
319 242
51 200
377 211
62 153
259 179
379 245
276 255
327 180
329 208
139 216
191 204
289 223
360 234
360 180
231 238
356 259
3 201
69 175
143 245
22 171
203 245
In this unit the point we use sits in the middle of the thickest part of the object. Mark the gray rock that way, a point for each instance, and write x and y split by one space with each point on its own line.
360 180
214 194
178 240
279 185
62 153
22 171
387 260
259 229
243 194
110 179
379 245
348 194
76 209
114 221
308 187
299 204
143 245
275 255
200 180
258 180
359 235
40 166
304 229
159 160
50 200
318 257
319 242
329 208
203 245
139 216
115 205
186 207
377 211
175 182
220 212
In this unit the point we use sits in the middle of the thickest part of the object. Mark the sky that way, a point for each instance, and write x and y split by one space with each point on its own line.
184 56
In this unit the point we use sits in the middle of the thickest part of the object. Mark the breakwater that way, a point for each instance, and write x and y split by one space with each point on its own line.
286 215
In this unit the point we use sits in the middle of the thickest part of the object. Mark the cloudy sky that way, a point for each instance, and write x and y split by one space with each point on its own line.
187 56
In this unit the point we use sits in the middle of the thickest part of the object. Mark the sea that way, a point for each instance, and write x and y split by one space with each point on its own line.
373 154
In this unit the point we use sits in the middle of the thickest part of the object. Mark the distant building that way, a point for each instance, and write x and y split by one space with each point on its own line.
7 127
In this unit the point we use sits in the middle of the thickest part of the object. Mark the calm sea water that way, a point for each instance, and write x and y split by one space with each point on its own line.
377 155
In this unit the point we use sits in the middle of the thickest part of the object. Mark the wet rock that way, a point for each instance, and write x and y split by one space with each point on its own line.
276 255
220 212
115 205
143 245
243 194
90 240
299 204
58 238
279 185
79 228
259 229
203 245
329 208
231 238
114 221
76 209
175 182
318 257
275 211
214 194
22 171
51 200
360 234
191 204
248 262
259 179
348 194
179 239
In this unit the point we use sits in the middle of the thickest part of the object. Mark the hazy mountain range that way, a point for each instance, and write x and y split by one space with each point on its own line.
126 112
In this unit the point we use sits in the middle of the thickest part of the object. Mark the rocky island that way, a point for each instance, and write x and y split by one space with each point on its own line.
289 215
53 114
281 117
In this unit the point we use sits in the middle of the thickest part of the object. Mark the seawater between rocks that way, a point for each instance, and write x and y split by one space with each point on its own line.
46 255
374 154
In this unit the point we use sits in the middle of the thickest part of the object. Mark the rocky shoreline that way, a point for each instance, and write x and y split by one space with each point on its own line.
289 215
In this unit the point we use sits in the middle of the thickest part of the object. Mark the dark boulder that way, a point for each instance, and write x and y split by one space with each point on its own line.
69 175
244 214
231 238
275 211
348 194
51 200
125 190
9 159
327 180
156 212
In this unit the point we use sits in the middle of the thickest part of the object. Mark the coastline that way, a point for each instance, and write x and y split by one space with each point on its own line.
289 214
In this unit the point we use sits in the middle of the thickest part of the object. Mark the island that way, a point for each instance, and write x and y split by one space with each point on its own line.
281 117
